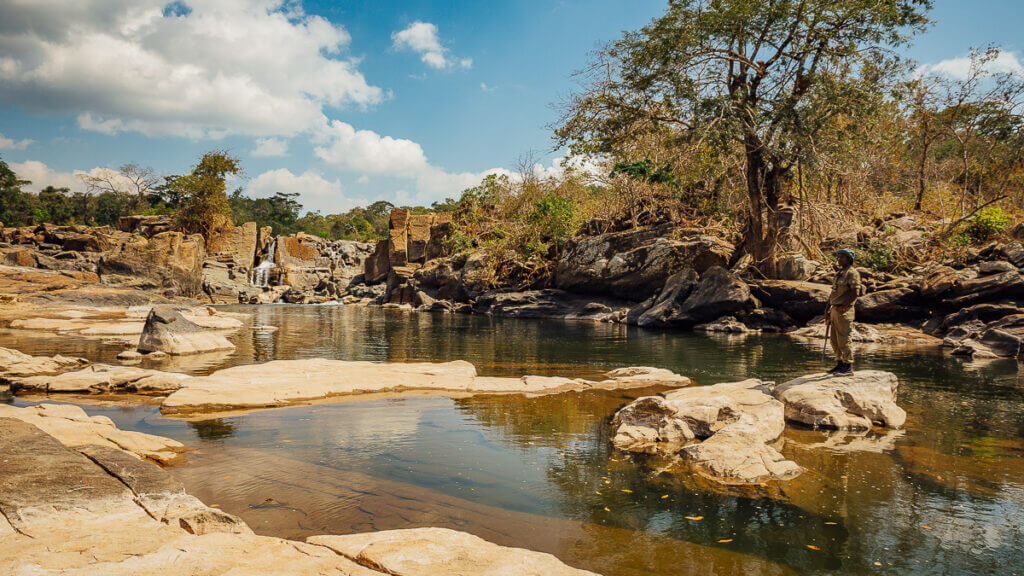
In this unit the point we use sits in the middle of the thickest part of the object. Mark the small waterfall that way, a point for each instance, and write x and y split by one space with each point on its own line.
261 273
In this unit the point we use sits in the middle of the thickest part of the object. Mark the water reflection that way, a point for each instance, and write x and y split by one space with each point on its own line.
945 495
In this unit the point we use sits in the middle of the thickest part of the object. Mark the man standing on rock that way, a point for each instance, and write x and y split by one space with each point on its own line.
845 291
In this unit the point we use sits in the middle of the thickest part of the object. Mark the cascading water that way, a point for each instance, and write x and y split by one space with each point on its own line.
261 273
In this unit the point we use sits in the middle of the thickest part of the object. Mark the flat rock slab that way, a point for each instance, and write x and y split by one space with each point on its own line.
442 552
102 378
73 427
843 402
283 382
735 420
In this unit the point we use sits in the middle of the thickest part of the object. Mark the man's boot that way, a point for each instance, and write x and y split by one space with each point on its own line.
836 368
845 369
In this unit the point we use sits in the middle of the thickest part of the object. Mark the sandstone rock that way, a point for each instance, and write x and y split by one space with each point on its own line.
735 420
1006 285
422 551
635 264
166 330
377 265
73 427
995 267
283 382
168 261
725 325
939 282
799 300
717 293
843 402
891 306
796 268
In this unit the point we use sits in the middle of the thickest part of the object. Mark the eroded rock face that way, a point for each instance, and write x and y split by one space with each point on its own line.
843 402
686 301
635 264
166 330
421 551
168 261
735 420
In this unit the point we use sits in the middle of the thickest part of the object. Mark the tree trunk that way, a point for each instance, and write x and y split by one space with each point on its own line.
768 222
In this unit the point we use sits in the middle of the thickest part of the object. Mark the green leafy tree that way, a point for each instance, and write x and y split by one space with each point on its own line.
205 204
15 205
755 78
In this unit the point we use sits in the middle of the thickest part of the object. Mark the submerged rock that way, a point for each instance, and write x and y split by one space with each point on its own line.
735 420
166 330
843 402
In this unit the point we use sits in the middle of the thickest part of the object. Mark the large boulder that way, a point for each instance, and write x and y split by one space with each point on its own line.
18 364
636 263
166 330
1003 338
796 267
716 293
549 303
1007 285
801 301
168 261
891 305
735 420
843 402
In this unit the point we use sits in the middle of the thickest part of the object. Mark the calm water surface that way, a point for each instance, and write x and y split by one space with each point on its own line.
943 496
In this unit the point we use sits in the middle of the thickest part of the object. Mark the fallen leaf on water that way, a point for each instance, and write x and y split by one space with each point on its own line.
606 509
627 491
725 540
665 496
694 517
607 481
813 547
831 523
598 492
878 563
926 527
214 505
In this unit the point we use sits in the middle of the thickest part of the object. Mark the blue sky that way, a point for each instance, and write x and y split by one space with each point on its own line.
404 117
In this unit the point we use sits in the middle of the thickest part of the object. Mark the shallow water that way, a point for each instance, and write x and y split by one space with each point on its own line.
943 496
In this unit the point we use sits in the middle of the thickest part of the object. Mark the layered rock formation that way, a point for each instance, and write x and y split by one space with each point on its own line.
843 402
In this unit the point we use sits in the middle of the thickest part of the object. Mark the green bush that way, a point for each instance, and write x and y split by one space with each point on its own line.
986 224
554 216
880 253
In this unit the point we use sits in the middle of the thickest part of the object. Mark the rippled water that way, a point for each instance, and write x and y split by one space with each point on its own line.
943 496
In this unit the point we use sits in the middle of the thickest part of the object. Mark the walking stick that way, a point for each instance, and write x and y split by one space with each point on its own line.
828 324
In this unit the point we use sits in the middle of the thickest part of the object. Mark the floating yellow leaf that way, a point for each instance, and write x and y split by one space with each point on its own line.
926 527
878 563
694 517
725 541
214 505
813 547
606 509
665 496
607 481
831 523
627 491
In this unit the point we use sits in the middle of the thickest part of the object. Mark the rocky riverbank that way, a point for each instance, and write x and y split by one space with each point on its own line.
77 503
660 276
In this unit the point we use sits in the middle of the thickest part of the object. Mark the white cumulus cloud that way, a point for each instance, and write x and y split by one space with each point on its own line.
1004 62
315 192
423 38
42 176
366 152
266 147
204 69
11 144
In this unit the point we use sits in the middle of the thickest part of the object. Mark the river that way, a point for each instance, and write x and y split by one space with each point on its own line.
943 496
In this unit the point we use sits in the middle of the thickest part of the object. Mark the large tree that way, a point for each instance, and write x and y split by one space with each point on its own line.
760 79
205 204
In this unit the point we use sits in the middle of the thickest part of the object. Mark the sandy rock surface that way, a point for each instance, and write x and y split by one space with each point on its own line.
282 382
735 420
442 552
843 402
73 427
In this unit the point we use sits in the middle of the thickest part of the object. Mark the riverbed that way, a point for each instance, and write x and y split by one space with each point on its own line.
943 496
